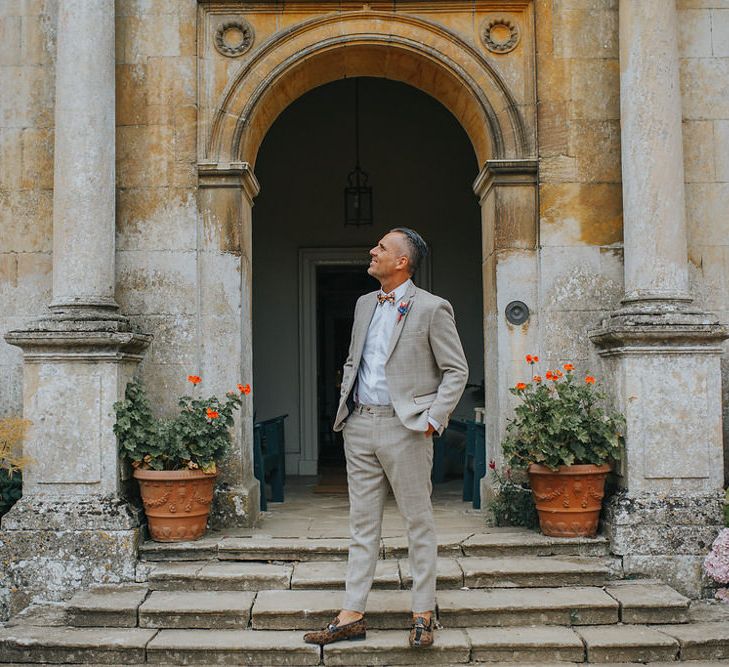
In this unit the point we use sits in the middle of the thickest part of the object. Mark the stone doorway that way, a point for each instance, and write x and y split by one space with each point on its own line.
491 98
401 128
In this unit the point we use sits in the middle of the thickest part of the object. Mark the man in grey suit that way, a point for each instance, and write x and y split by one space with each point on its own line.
403 377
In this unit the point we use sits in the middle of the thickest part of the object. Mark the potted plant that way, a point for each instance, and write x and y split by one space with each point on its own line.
567 438
175 460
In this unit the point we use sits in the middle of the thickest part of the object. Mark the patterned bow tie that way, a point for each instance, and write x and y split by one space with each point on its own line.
381 297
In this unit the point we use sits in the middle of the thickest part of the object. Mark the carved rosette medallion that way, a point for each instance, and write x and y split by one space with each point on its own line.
500 35
234 38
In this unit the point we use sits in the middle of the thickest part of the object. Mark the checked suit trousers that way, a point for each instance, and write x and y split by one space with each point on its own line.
379 449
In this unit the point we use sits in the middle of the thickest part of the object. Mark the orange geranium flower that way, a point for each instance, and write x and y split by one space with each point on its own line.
550 375
569 367
211 414
590 380
529 359
244 389
557 374
195 379
537 378
520 386
535 358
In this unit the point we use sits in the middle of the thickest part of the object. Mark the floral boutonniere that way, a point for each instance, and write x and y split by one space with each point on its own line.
402 309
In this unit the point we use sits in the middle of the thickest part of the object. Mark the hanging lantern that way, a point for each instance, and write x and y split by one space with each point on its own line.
357 193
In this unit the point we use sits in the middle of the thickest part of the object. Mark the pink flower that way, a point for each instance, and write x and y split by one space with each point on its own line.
716 564
492 464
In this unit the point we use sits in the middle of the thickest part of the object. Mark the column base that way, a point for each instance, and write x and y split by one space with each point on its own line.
51 547
665 536
236 506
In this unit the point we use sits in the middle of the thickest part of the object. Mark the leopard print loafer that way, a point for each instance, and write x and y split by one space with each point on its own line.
336 633
421 633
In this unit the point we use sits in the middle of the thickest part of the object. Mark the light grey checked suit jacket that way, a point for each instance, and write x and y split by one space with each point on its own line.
426 369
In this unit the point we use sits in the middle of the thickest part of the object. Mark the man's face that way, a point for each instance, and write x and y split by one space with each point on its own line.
388 257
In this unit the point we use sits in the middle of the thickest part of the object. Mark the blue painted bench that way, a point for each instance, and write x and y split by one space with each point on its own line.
269 457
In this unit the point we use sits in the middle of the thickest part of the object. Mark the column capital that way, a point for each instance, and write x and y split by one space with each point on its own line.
226 175
505 172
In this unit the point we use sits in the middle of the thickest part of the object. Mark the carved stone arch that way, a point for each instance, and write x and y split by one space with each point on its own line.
403 48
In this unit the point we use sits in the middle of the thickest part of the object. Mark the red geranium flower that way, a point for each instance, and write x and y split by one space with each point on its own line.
520 386
195 379
244 389
211 414
590 380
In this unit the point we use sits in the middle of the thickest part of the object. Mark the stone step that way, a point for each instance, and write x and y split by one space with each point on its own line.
471 572
644 602
530 543
232 647
700 643
284 610
106 606
627 643
537 644
219 576
288 609
63 645
536 571
527 606
495 543
196 609
391 647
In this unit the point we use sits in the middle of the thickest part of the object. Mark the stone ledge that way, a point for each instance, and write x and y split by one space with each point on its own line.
69 513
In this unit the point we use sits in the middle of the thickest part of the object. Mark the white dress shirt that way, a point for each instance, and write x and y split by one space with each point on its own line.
371 386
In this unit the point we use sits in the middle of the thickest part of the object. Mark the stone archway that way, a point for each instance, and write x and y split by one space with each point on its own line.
415 51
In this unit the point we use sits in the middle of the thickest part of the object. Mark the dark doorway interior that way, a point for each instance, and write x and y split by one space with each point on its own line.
337 290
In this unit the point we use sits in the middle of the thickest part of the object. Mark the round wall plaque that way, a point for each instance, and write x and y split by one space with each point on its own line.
234 38
499 35
517 312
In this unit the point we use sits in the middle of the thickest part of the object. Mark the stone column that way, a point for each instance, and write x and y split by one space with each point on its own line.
507 192
84 156
225 271
73 525
661 352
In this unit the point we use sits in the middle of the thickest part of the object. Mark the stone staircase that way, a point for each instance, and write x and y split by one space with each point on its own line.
504 596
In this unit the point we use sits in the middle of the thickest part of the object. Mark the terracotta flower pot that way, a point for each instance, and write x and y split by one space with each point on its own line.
176 502
569 499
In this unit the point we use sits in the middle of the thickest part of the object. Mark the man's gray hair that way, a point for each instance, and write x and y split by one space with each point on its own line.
417 247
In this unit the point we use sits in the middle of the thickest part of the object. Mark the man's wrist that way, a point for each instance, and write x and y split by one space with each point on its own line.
435 424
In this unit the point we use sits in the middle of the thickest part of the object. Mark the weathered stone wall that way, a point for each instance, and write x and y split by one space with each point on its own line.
27 53
704 48
580 196
157 221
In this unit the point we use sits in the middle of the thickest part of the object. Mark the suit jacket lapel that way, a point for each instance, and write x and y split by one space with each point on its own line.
409 298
